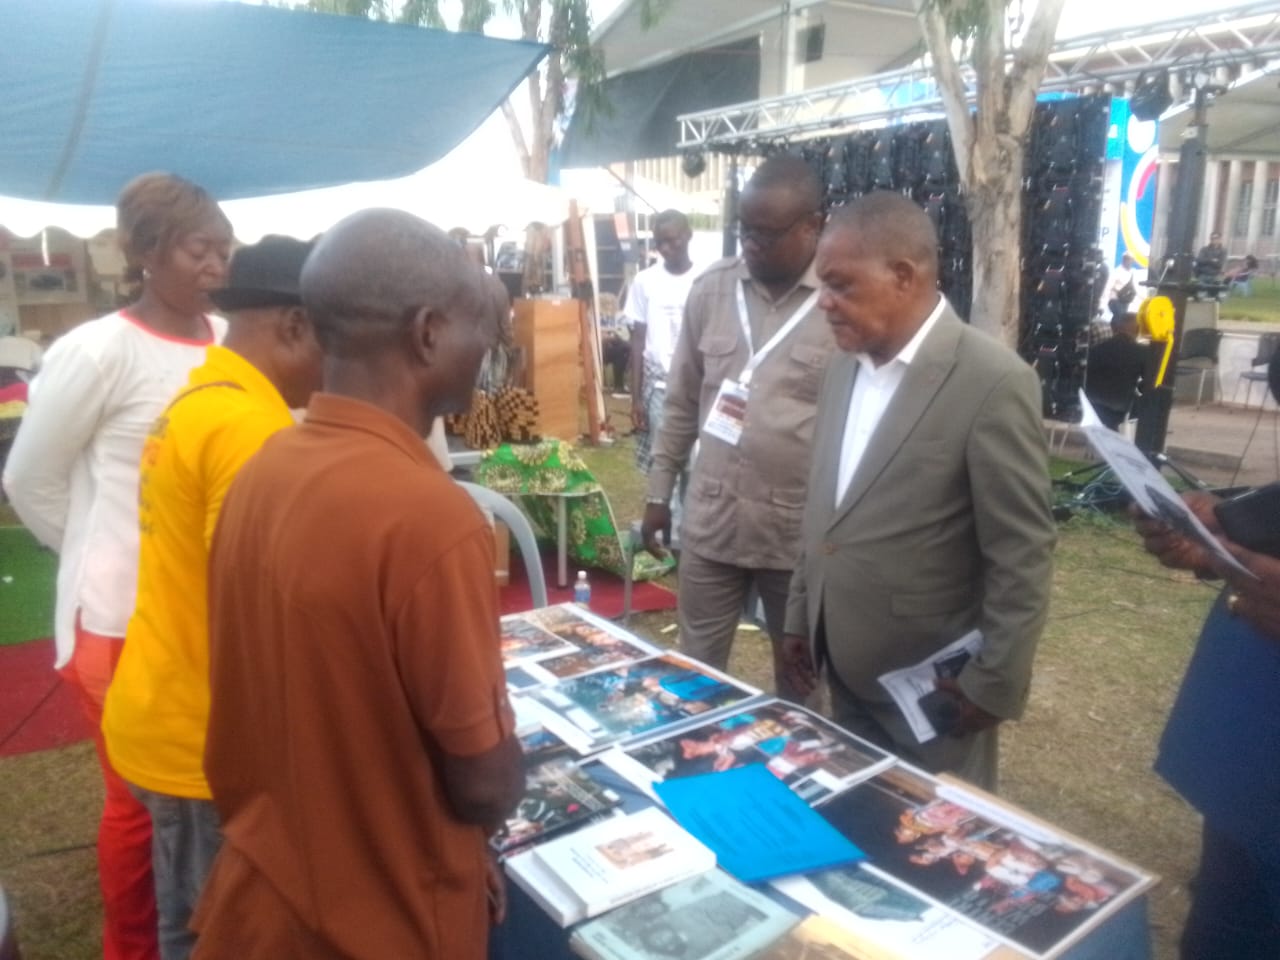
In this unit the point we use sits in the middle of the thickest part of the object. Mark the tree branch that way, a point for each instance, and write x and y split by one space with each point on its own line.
1032 60
989 67
517 134
951 88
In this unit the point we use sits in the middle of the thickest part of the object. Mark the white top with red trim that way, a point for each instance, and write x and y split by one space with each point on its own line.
72 474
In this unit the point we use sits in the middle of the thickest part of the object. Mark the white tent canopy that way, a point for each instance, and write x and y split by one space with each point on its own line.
600 191
442 193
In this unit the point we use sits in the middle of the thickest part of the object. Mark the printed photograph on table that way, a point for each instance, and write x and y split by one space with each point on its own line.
523 640
617 703
557 794
1023 882
710 917
590 644
540 745
615 860
818 938
876 910
811 755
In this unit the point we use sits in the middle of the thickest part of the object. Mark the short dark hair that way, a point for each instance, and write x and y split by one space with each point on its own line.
673 217
788 171
897 226
155 211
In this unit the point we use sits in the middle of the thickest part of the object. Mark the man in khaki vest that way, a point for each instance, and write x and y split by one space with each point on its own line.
743 384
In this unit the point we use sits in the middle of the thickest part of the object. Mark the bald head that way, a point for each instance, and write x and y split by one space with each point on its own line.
898 229
878 263
371 272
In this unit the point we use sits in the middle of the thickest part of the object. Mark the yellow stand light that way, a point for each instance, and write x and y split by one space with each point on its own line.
1155 320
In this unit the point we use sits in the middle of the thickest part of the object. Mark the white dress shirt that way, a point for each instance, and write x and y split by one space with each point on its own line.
873 389
72 474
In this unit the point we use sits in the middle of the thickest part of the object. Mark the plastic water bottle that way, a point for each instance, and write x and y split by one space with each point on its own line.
582 590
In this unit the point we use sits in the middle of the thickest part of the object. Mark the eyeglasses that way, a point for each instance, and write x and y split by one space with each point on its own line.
768 236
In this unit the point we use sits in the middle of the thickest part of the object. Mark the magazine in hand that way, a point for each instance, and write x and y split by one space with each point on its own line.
1018 880
1148 487
604 865
554 643
910 684
708 917
808 753
557 794
617 703
875 910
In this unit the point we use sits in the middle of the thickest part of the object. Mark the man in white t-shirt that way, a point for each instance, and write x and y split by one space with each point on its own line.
654 311
1122 291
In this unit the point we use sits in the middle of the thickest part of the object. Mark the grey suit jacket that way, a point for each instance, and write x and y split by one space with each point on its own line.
946 524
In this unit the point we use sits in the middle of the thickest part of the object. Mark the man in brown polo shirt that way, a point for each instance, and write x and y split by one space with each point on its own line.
360 742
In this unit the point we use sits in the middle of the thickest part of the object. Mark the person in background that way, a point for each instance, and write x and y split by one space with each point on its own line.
751 318
360 748
157 707
1220 746
1115 371
929 509
1211 261
1241 280
72 476
1123 290
654 311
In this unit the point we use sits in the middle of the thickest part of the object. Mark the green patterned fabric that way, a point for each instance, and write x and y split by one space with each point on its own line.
535 475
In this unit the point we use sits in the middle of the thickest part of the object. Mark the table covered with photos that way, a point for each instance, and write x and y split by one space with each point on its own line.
598 870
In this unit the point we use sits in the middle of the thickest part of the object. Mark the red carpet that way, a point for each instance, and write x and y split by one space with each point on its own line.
606 591
40 712
37 710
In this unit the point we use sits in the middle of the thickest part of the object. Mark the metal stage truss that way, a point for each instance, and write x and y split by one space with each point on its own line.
1238 39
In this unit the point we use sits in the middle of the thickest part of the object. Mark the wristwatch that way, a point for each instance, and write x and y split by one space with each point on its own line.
658 501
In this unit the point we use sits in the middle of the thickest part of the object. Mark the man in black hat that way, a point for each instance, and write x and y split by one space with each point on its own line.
157 707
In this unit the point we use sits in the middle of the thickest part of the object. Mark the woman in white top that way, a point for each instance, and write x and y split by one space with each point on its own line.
72 476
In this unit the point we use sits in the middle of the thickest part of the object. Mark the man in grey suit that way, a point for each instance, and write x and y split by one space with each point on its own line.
929 511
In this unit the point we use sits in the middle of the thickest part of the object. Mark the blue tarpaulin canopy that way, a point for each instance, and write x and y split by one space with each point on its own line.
243 100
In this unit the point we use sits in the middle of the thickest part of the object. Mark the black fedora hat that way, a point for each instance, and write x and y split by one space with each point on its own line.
264 274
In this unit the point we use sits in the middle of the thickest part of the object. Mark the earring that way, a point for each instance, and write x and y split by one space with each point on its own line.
146 273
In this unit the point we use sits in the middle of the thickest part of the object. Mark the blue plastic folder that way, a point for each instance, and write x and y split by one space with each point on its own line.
757 827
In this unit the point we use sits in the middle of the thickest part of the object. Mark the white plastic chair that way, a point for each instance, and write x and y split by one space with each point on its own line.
506 511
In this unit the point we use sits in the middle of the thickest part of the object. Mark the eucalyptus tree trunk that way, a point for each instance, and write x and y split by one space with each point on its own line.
990 143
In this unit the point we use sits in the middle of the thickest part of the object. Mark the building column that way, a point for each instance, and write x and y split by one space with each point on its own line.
1208 202
1255 208
1229 216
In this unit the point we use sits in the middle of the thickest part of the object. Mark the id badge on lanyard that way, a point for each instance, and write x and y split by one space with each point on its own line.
728 416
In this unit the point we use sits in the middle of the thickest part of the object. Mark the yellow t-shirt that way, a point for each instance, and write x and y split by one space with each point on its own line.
157 707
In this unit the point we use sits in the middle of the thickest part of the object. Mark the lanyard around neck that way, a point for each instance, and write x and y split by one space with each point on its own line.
758 356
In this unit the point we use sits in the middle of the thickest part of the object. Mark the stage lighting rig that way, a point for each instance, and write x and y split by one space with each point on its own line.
693 163
1151 95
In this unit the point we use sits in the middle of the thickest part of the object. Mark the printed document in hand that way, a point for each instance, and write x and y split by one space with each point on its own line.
909 684
1148 487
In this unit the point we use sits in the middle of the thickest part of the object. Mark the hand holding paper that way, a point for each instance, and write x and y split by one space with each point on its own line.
1150 490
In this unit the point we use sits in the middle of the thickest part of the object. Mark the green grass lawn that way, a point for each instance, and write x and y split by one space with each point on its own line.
1263 306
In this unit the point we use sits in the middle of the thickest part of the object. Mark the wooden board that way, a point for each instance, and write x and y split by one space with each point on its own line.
548 333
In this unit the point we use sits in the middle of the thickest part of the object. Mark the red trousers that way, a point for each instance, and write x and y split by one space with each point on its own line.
129 930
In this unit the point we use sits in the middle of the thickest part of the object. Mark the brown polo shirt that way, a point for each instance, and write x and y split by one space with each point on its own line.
353 640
